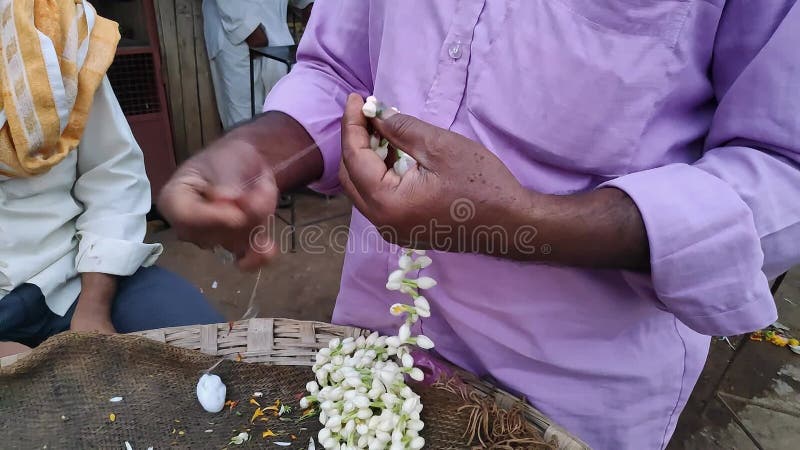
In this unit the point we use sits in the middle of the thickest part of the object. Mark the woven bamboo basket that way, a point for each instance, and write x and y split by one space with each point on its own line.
295 343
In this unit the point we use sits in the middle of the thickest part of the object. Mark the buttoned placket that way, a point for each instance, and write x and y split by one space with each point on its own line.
449 83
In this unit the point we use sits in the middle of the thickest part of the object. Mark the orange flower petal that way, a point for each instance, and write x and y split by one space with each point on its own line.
258 412
267 434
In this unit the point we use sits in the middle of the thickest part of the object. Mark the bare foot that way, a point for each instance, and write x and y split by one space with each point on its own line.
12 348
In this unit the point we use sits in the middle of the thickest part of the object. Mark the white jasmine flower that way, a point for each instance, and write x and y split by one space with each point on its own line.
372 338
416 374
408 360
423 261
417 443
401 166
361 402
422 306
240 438
406 392
371 99
425 282
405 262
382 152
410 404
393 341
370 109
415 425
364 413
374 141
312 387
424 342
334 422
398 309
349 427
404 333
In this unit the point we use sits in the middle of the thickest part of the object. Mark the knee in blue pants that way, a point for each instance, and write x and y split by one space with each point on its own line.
156 298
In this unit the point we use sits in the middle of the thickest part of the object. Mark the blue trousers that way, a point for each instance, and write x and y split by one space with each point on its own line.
150 298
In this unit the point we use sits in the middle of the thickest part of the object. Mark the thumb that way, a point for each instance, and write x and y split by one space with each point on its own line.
259 198
409 134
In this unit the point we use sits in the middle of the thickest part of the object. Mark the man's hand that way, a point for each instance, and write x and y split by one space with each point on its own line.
258 38
227 194
93 311
458 187
461 198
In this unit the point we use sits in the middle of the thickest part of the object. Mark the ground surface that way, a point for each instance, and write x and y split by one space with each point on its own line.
761 387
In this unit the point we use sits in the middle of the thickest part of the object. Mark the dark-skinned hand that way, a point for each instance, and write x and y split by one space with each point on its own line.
457 188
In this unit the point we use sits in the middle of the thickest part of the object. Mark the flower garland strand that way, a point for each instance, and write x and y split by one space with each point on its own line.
360 387
373 108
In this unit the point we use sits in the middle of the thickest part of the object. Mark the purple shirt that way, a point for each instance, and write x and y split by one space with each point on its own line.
691 107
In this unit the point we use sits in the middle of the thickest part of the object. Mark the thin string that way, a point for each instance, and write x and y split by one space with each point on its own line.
249 313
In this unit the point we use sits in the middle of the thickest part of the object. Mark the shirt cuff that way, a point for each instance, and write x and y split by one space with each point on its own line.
705 253
298 95
238 34
113 256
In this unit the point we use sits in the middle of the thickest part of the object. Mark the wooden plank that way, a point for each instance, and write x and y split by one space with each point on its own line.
208 339
184 19
259 336
168 36
209 116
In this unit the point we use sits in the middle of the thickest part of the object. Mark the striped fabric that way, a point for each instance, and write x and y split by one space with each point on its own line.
53 56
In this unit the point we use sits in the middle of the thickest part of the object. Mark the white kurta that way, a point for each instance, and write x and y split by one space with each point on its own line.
87 214
227 24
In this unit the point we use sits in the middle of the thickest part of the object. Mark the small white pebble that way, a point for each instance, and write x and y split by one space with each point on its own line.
128 445
211 393
214 284
115 399
209 431
258 394
283 444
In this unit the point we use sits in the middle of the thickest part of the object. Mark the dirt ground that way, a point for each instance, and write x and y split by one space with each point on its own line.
759 384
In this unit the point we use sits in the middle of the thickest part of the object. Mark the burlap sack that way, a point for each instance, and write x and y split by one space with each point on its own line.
58 396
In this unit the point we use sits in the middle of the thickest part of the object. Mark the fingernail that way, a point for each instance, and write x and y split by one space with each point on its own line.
385 111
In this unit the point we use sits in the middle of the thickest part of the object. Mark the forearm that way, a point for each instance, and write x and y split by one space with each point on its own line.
600 229
286 147
97 294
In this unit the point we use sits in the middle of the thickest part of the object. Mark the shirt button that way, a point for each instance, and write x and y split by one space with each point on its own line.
455 50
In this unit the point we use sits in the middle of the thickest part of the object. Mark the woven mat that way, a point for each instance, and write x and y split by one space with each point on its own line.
58 397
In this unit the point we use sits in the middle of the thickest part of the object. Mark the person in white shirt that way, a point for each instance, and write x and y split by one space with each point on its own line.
231 26
73 199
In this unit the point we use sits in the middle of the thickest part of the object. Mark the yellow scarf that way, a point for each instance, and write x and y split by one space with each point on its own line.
53 56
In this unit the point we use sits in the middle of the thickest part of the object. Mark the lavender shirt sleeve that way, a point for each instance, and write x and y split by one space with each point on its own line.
332 62
719 227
